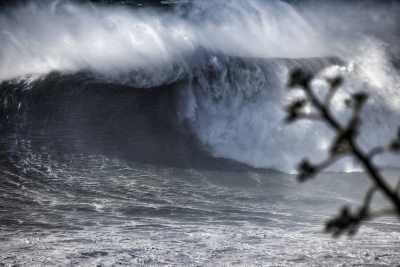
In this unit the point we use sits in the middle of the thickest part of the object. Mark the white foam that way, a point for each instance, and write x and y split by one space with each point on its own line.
246 125
37 39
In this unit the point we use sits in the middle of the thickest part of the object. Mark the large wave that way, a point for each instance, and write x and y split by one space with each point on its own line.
229 59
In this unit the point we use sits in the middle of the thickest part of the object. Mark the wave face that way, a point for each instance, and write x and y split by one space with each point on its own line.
204 78
144 136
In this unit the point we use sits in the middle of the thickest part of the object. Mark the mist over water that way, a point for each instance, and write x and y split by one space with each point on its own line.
238 113
155 136
69 37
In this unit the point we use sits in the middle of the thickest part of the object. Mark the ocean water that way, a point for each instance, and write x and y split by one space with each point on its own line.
96 211
155 137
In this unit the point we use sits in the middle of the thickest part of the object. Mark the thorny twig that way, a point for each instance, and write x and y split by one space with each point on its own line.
344 144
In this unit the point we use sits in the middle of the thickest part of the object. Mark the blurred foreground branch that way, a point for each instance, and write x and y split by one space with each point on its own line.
343 144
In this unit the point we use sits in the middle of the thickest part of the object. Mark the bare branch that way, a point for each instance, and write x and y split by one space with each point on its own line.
334 83
343 144
398 187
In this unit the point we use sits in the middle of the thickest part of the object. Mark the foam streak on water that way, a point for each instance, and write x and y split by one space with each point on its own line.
147 48
130 136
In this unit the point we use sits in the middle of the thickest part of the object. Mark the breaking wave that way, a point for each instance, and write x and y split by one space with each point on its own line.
206 78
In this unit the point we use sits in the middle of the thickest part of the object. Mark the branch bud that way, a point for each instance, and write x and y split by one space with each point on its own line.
294 110
306 170
299 78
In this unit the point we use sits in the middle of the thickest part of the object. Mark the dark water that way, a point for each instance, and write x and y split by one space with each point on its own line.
149 137
90 183
91 210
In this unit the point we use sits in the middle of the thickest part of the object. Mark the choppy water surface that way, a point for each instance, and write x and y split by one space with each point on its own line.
90 210
144 136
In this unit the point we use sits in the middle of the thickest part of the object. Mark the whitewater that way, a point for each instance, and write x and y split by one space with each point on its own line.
156 136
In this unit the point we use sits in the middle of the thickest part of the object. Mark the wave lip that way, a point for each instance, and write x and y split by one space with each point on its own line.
220 82
40 38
